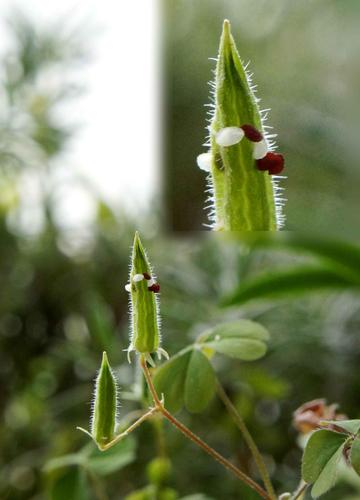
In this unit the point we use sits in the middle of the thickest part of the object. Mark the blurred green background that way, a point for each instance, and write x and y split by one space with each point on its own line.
62 299
304 56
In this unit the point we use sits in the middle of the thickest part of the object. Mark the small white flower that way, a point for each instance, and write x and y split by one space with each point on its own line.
204 161
260 150
128 287
138 277
151 282
229 136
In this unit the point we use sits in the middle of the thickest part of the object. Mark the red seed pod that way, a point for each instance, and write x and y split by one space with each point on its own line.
147 276
252 133
273 162
154 288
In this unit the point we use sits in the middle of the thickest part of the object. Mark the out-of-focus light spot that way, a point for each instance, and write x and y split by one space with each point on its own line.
267 412
17 415
119 93
75 329
21 477
10 325
44 384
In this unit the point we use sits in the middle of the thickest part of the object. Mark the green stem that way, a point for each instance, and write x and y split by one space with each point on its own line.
131 428
299 494
195 439
99 490
248 439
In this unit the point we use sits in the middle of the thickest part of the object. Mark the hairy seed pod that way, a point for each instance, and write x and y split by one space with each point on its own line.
242 197
144 306
103 422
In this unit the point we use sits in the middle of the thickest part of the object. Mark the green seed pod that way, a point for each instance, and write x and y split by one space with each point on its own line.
104 418
144 305
240 160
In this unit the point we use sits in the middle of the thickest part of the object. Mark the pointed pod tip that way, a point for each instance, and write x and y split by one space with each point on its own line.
136 237
104 358
226 28
226 24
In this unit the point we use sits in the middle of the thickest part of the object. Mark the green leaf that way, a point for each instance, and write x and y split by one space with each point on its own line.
245 349
340 253
200 382
71 485
352 426
243 196
244 328
64 461
99 320
170 379
243 339
105 404
292 281
113 459
355 456
320 460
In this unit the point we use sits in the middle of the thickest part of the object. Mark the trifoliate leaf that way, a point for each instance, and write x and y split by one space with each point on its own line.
351 426
242 339
170 379
355 456
200 382
321 459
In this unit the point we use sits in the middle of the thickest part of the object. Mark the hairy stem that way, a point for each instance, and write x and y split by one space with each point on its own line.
131 428
248 439
198 441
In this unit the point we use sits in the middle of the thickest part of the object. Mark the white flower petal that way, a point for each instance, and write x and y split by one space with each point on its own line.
138 277
229 136
204 161
260 150
128 287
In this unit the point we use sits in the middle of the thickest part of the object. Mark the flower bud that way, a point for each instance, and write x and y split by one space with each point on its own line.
242 197
144 311
103 422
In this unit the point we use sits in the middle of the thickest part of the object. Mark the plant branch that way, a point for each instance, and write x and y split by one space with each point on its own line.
193 437
248 439
132 427
99 490
299 493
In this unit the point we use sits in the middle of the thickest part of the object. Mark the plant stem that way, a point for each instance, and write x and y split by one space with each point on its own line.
193 437
132 427
299 493
248 439
99 490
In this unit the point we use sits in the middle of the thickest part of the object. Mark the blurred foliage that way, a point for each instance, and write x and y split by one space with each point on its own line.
63 302
304 56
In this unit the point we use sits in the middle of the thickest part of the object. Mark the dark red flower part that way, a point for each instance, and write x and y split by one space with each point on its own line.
154 288
273 162
147 276
277 169
252 133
